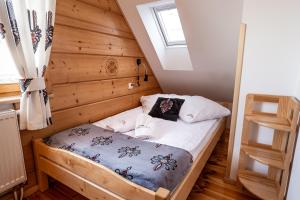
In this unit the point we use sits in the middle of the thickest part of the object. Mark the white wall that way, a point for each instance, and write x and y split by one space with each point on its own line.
293 191
211 29
271 60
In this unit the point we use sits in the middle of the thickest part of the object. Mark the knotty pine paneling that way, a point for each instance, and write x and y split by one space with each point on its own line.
95 111
88 35
107 22
76 94
72 40
83 67
110 5
79 24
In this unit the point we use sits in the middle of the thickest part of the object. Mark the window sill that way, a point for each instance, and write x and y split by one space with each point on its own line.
9 93
7 88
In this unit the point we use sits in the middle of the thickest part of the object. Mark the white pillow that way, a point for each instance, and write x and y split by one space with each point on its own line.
197 108
149 101
122 122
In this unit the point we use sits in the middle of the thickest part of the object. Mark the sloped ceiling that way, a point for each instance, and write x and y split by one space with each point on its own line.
211 28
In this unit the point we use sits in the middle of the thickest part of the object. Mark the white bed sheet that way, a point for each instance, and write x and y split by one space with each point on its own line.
190 137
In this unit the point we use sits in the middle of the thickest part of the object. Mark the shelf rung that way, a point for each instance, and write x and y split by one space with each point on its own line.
270 121
259 185
271 157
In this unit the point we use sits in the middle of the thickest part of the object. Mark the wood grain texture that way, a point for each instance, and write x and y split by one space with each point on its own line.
278 156
7 88
236 95
80 12
88 33
95 111
83 67
73 40
209 186
74 170
79 24
76 94
110 5
186 185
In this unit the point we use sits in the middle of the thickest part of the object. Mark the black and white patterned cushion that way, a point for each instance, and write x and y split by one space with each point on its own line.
167 108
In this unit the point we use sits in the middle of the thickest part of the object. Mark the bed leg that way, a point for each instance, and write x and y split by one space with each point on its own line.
42 180
162 194
42 177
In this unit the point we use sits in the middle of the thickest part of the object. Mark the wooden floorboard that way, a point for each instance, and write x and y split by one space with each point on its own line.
209 186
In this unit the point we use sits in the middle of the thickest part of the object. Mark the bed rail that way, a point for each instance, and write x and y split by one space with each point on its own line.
91 179
96 182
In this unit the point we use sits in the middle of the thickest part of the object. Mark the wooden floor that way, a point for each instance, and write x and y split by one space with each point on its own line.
209 186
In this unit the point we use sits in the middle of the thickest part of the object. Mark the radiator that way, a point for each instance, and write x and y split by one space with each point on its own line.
12 168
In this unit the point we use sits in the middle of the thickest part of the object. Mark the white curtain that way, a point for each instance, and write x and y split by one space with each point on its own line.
27 28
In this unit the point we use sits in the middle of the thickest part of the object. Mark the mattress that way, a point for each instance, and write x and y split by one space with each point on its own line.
190 137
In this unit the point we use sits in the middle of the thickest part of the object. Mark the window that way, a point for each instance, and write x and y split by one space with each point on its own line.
170 25
8 71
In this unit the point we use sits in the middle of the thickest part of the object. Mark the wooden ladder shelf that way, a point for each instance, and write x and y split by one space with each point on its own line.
278 155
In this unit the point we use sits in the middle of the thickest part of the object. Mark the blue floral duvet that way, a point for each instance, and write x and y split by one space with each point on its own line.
145 163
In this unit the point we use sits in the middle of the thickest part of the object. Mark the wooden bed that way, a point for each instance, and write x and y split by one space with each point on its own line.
95 181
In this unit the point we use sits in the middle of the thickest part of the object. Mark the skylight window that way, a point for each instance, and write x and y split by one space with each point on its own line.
170 25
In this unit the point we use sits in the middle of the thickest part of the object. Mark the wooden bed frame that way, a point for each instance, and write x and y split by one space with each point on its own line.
96 182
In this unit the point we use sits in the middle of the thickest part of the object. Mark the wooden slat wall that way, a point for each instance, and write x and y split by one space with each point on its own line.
87 34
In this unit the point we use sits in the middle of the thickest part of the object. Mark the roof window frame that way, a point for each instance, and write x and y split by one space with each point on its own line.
161 26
